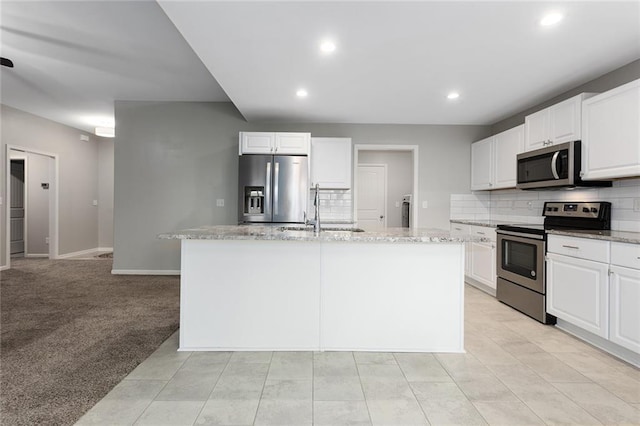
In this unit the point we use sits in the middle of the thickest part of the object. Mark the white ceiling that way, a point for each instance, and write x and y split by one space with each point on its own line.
394 63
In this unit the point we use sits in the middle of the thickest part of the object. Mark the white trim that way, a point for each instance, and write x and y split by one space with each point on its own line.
414 149
53 201
145 272
4 268
77 253
104 249
36 255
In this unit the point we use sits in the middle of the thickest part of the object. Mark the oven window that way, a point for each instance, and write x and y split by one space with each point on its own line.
519 258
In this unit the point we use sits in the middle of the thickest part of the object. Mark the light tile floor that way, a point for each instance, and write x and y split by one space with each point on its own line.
515 372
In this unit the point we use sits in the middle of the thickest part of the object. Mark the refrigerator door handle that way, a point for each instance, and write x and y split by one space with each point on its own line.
275 187
267 187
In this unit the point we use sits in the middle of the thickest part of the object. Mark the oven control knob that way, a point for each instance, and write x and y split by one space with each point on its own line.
533 273
585 209
594 210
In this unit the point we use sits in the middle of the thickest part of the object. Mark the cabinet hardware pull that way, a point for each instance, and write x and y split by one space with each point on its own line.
481 233
460 229
572 247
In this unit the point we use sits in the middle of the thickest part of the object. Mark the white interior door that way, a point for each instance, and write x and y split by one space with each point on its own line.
17 207
372 196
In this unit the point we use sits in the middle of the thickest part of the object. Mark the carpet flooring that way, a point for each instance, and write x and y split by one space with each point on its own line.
70 331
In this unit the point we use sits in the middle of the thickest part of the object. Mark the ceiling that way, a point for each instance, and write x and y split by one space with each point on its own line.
395 62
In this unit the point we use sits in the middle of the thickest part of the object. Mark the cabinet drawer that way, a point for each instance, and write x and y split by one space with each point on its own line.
583 248
483 231
623 254
459 230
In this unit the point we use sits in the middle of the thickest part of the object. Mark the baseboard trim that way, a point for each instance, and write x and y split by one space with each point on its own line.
77 253
480 286
4 268
40 256
104 249
145 272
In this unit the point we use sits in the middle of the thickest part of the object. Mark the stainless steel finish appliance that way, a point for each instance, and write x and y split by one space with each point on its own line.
521 281
556 166
273 188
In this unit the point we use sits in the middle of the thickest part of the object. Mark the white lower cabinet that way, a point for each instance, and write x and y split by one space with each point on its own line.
461 230
577 292
625 307
483 263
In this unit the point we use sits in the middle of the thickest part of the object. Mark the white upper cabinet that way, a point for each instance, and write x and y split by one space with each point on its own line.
482 164
611 133
508 145
556 124
274 143
331 163
493 160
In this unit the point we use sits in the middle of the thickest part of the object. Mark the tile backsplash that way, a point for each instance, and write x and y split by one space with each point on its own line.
335 205
517 206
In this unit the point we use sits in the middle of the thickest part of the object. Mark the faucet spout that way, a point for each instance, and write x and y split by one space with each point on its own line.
316 204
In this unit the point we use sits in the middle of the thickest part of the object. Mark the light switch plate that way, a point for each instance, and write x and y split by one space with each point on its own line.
95 202
425 204
397 203
220 202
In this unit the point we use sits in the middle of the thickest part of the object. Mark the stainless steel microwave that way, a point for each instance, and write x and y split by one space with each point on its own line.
553 167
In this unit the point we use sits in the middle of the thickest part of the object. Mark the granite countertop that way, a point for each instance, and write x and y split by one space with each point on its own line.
276 233
618 236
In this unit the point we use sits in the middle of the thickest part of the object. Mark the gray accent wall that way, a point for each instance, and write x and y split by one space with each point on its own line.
601 84
174 159
78 177
105 193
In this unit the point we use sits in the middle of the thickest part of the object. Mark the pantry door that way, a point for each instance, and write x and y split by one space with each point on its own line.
372 196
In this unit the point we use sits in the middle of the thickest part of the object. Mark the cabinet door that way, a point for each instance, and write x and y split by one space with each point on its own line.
507 145
462 230
564 120
578 292
256 142
536 130
611 131
483 263
292 143
482 164
331 162
624 328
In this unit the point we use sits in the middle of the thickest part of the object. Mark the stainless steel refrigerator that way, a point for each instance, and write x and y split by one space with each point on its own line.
273 188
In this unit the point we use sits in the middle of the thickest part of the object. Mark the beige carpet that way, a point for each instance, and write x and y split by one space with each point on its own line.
71 331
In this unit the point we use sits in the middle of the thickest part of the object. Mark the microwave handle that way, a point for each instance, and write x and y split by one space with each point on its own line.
554 165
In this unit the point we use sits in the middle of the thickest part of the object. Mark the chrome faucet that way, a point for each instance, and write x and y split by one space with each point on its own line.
316 205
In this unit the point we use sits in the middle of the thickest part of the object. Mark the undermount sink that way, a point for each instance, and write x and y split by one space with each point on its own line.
310 228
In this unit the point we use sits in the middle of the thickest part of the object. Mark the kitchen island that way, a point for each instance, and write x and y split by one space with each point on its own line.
272 288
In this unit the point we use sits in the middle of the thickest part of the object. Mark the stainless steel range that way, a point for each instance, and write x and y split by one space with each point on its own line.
521 250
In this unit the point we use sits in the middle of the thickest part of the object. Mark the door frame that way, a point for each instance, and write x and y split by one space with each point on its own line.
413 149
53 201
386 172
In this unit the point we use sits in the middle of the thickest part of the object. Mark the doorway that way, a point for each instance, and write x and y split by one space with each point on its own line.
400 183
32 211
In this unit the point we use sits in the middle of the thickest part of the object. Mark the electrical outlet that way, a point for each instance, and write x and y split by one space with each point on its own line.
397 203
636 205
46 240
425 204
220 202
95 202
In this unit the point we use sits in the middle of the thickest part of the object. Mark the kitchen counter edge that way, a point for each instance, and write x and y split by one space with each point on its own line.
616 236
274 233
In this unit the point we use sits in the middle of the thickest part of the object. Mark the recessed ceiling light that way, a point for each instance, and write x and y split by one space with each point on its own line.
453 95
551 19
301 93
327 46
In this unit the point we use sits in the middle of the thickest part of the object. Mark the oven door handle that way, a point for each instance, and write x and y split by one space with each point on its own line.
554 165
521 234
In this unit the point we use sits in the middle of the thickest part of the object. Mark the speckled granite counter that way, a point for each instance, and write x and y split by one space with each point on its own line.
618 236
281 233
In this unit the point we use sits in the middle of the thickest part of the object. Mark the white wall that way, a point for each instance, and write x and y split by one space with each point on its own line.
399 179
78 176
38 169
174 159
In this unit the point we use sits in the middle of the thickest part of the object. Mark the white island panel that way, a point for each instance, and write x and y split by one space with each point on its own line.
249 295
393 297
